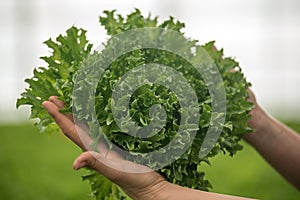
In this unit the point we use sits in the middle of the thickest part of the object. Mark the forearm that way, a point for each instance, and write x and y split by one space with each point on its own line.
174 192
277 143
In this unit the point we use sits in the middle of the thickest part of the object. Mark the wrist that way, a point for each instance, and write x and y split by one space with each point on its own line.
164 191
160 191
157 190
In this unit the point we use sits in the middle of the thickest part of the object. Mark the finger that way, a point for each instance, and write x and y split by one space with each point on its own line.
120 172
60 104
63 121
214 48
83 129
251 95
57 102
76 134
115 170
86 159
96 162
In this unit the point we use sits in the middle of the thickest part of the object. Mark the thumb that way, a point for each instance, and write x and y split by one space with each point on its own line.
117 170
98 162
133 178
86 159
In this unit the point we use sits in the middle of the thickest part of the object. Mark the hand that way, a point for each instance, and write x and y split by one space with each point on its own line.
258 118
146 185
276 142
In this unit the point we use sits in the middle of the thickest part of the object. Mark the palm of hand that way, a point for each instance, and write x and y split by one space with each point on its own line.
144 184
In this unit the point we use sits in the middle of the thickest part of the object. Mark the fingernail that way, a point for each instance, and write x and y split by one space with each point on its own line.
44 102
52 98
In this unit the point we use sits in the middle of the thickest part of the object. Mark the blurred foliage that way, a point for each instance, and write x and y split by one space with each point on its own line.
36 166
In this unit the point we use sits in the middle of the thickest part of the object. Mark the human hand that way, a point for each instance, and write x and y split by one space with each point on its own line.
260 121
257 114
144 184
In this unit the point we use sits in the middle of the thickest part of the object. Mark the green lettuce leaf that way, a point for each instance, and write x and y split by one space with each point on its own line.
73 50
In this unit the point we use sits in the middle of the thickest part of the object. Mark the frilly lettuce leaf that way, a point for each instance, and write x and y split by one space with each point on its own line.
70 51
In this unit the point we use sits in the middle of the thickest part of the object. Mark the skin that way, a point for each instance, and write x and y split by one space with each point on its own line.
278 144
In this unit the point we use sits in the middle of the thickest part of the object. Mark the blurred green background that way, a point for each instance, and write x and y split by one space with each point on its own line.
36 166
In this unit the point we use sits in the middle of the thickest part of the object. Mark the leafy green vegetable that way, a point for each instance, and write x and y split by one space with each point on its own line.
102 188
71 52
68 52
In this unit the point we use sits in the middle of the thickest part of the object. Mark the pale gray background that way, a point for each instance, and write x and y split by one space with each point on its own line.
264 36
